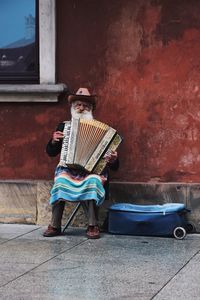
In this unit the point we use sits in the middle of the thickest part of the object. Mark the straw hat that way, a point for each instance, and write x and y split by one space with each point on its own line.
83 94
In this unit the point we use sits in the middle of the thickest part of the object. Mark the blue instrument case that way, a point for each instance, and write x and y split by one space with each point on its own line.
148 220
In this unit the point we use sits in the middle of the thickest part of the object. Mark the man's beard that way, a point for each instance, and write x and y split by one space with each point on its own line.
86 115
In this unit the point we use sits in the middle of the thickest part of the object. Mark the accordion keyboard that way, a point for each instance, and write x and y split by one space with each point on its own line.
65 144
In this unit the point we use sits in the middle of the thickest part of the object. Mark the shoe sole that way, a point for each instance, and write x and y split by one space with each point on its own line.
51 235
93 237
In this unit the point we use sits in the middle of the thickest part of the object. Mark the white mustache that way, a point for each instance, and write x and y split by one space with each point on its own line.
86 115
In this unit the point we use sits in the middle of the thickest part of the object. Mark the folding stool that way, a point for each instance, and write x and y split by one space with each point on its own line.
74 212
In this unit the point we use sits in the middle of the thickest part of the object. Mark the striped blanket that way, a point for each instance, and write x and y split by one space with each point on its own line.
72 186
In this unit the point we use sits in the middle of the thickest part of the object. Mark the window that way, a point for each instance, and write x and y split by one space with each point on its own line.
38 82
19 47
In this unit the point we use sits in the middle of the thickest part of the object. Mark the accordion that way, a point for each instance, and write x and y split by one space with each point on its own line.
85 143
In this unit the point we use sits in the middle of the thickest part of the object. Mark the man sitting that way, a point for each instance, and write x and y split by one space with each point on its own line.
78 185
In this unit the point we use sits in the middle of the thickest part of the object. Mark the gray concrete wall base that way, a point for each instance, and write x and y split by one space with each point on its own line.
27 201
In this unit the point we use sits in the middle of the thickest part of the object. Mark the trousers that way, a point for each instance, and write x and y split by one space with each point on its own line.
58 208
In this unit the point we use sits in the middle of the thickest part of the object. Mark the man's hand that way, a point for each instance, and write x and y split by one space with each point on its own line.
111 156
57 136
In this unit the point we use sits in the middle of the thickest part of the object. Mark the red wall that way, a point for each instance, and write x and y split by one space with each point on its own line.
142 59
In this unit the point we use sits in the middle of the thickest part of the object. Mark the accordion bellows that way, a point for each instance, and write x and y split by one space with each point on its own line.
85 143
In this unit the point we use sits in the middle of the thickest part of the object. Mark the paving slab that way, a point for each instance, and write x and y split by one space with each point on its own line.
11 231
185 285
113 267
25 249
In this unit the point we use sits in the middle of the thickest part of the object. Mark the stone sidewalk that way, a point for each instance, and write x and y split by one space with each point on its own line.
113 267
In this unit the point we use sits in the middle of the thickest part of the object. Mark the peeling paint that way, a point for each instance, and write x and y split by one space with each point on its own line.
142 60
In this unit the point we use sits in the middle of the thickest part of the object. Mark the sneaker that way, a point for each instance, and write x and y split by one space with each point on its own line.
93 232
51 231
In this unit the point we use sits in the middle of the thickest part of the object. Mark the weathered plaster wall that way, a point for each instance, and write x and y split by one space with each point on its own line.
142 58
